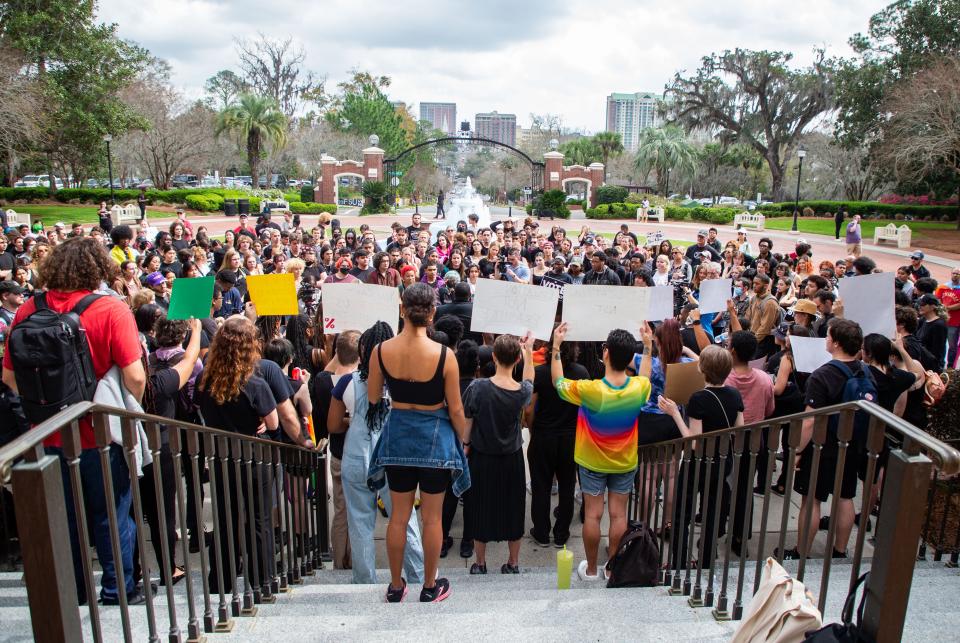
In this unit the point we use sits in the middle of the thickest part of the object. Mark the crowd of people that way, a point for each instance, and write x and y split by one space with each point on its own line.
432 417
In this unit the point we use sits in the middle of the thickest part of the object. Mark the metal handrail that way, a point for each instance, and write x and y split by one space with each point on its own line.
35 436
945 458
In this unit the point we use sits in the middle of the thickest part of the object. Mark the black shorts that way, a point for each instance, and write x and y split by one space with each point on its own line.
827 473
656 427
863 457
407 479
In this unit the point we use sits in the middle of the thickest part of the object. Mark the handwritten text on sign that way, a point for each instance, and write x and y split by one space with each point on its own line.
358 307
504 307
591 312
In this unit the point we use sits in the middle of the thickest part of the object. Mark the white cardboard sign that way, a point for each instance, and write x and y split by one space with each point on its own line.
869 301
809 353
503 307
355 306
714 294
661 303
591 312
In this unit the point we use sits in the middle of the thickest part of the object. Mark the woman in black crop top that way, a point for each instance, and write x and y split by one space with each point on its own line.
420 445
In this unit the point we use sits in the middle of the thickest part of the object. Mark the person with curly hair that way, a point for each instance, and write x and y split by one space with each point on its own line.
73 271
425 421
231 397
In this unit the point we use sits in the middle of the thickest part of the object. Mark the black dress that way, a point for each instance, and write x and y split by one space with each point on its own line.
495 506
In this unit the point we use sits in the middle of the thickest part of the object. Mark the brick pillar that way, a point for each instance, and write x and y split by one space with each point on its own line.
326 190
596 180
553 171
373 164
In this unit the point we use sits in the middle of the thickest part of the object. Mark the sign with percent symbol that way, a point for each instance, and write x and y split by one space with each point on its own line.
356 306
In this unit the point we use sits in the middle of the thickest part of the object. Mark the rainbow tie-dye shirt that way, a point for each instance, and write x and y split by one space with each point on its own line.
607 421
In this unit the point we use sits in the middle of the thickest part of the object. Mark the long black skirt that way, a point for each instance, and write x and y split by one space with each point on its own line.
494 507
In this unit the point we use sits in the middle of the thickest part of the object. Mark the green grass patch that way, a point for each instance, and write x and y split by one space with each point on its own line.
51 214
826 226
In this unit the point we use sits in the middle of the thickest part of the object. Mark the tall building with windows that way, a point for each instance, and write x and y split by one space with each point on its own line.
443 116
498 127
629 114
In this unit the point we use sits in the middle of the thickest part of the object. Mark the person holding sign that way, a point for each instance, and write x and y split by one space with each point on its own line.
425 419
714 408
606 441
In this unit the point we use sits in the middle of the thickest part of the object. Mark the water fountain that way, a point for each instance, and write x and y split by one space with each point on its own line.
462 201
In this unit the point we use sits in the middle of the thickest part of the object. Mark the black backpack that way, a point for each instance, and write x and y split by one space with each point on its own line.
636 562
51 359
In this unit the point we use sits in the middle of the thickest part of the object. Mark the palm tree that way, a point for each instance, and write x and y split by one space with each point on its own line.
506 164
665 149
258 123
609 144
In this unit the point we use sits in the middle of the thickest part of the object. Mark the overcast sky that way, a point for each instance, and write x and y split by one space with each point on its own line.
516 56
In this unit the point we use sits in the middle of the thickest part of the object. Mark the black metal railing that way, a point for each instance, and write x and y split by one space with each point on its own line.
267 513
701 496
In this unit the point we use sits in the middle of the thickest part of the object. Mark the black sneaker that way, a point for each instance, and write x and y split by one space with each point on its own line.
437 593
839 554
397 594
559 544
788 554
856 521
478 569
507 568
445 547
466 548
543 542
136 597
824 523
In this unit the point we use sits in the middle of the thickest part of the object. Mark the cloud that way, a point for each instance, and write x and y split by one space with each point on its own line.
537 56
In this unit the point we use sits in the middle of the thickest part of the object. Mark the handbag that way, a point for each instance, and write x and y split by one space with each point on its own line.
845 631
781 610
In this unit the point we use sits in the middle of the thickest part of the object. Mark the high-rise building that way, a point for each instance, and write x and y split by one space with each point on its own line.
497 127
443 116
629 114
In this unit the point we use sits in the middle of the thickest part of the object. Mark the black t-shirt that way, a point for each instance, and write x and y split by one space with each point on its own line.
165 384
241 414
916 412
716 407
176 267
8 262
891 384
933 336
496 416
273 375
180 244
552 414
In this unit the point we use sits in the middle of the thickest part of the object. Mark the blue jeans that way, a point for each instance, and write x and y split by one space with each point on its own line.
95 504
593 483
953 335
362 518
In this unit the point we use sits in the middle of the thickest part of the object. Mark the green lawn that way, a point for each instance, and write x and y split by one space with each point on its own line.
826 226
51 214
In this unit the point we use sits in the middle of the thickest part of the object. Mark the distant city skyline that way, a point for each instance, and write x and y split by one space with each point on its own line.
538 57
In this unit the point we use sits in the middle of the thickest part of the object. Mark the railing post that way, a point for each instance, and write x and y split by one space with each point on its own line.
898 530
47 556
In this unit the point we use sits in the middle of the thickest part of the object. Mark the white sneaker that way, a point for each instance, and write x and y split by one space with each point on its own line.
606 571
584 576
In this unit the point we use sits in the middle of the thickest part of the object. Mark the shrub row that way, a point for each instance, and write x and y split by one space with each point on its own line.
312 208
717 216
154 197
867 209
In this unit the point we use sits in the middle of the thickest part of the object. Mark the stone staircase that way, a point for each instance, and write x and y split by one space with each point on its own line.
495 607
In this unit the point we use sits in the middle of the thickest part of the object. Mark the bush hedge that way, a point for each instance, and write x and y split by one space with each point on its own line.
204 202
306 193
717 216
298 207
611 194
866 209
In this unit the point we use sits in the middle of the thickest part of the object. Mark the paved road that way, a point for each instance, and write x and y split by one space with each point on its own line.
887 257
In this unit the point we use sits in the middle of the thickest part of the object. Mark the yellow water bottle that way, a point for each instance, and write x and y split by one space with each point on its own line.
564 568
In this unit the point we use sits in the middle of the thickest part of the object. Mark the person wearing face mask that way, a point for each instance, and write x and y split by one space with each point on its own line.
342 274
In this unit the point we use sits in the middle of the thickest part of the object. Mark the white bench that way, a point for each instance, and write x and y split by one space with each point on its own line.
748 219
891 232
122 214
15 219
652 213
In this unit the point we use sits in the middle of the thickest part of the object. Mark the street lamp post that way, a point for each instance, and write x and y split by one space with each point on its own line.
667 191
796 206
106 139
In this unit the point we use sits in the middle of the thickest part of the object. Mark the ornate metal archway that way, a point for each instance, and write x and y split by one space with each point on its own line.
536 167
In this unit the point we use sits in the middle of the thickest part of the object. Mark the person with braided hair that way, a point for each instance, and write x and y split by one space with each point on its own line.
419 445
351 412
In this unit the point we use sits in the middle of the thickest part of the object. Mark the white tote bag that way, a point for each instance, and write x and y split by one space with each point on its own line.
781 611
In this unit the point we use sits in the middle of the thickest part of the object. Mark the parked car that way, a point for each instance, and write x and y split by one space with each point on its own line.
276 181
185 181
28 181
243 180
728 200
146 183
209 182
